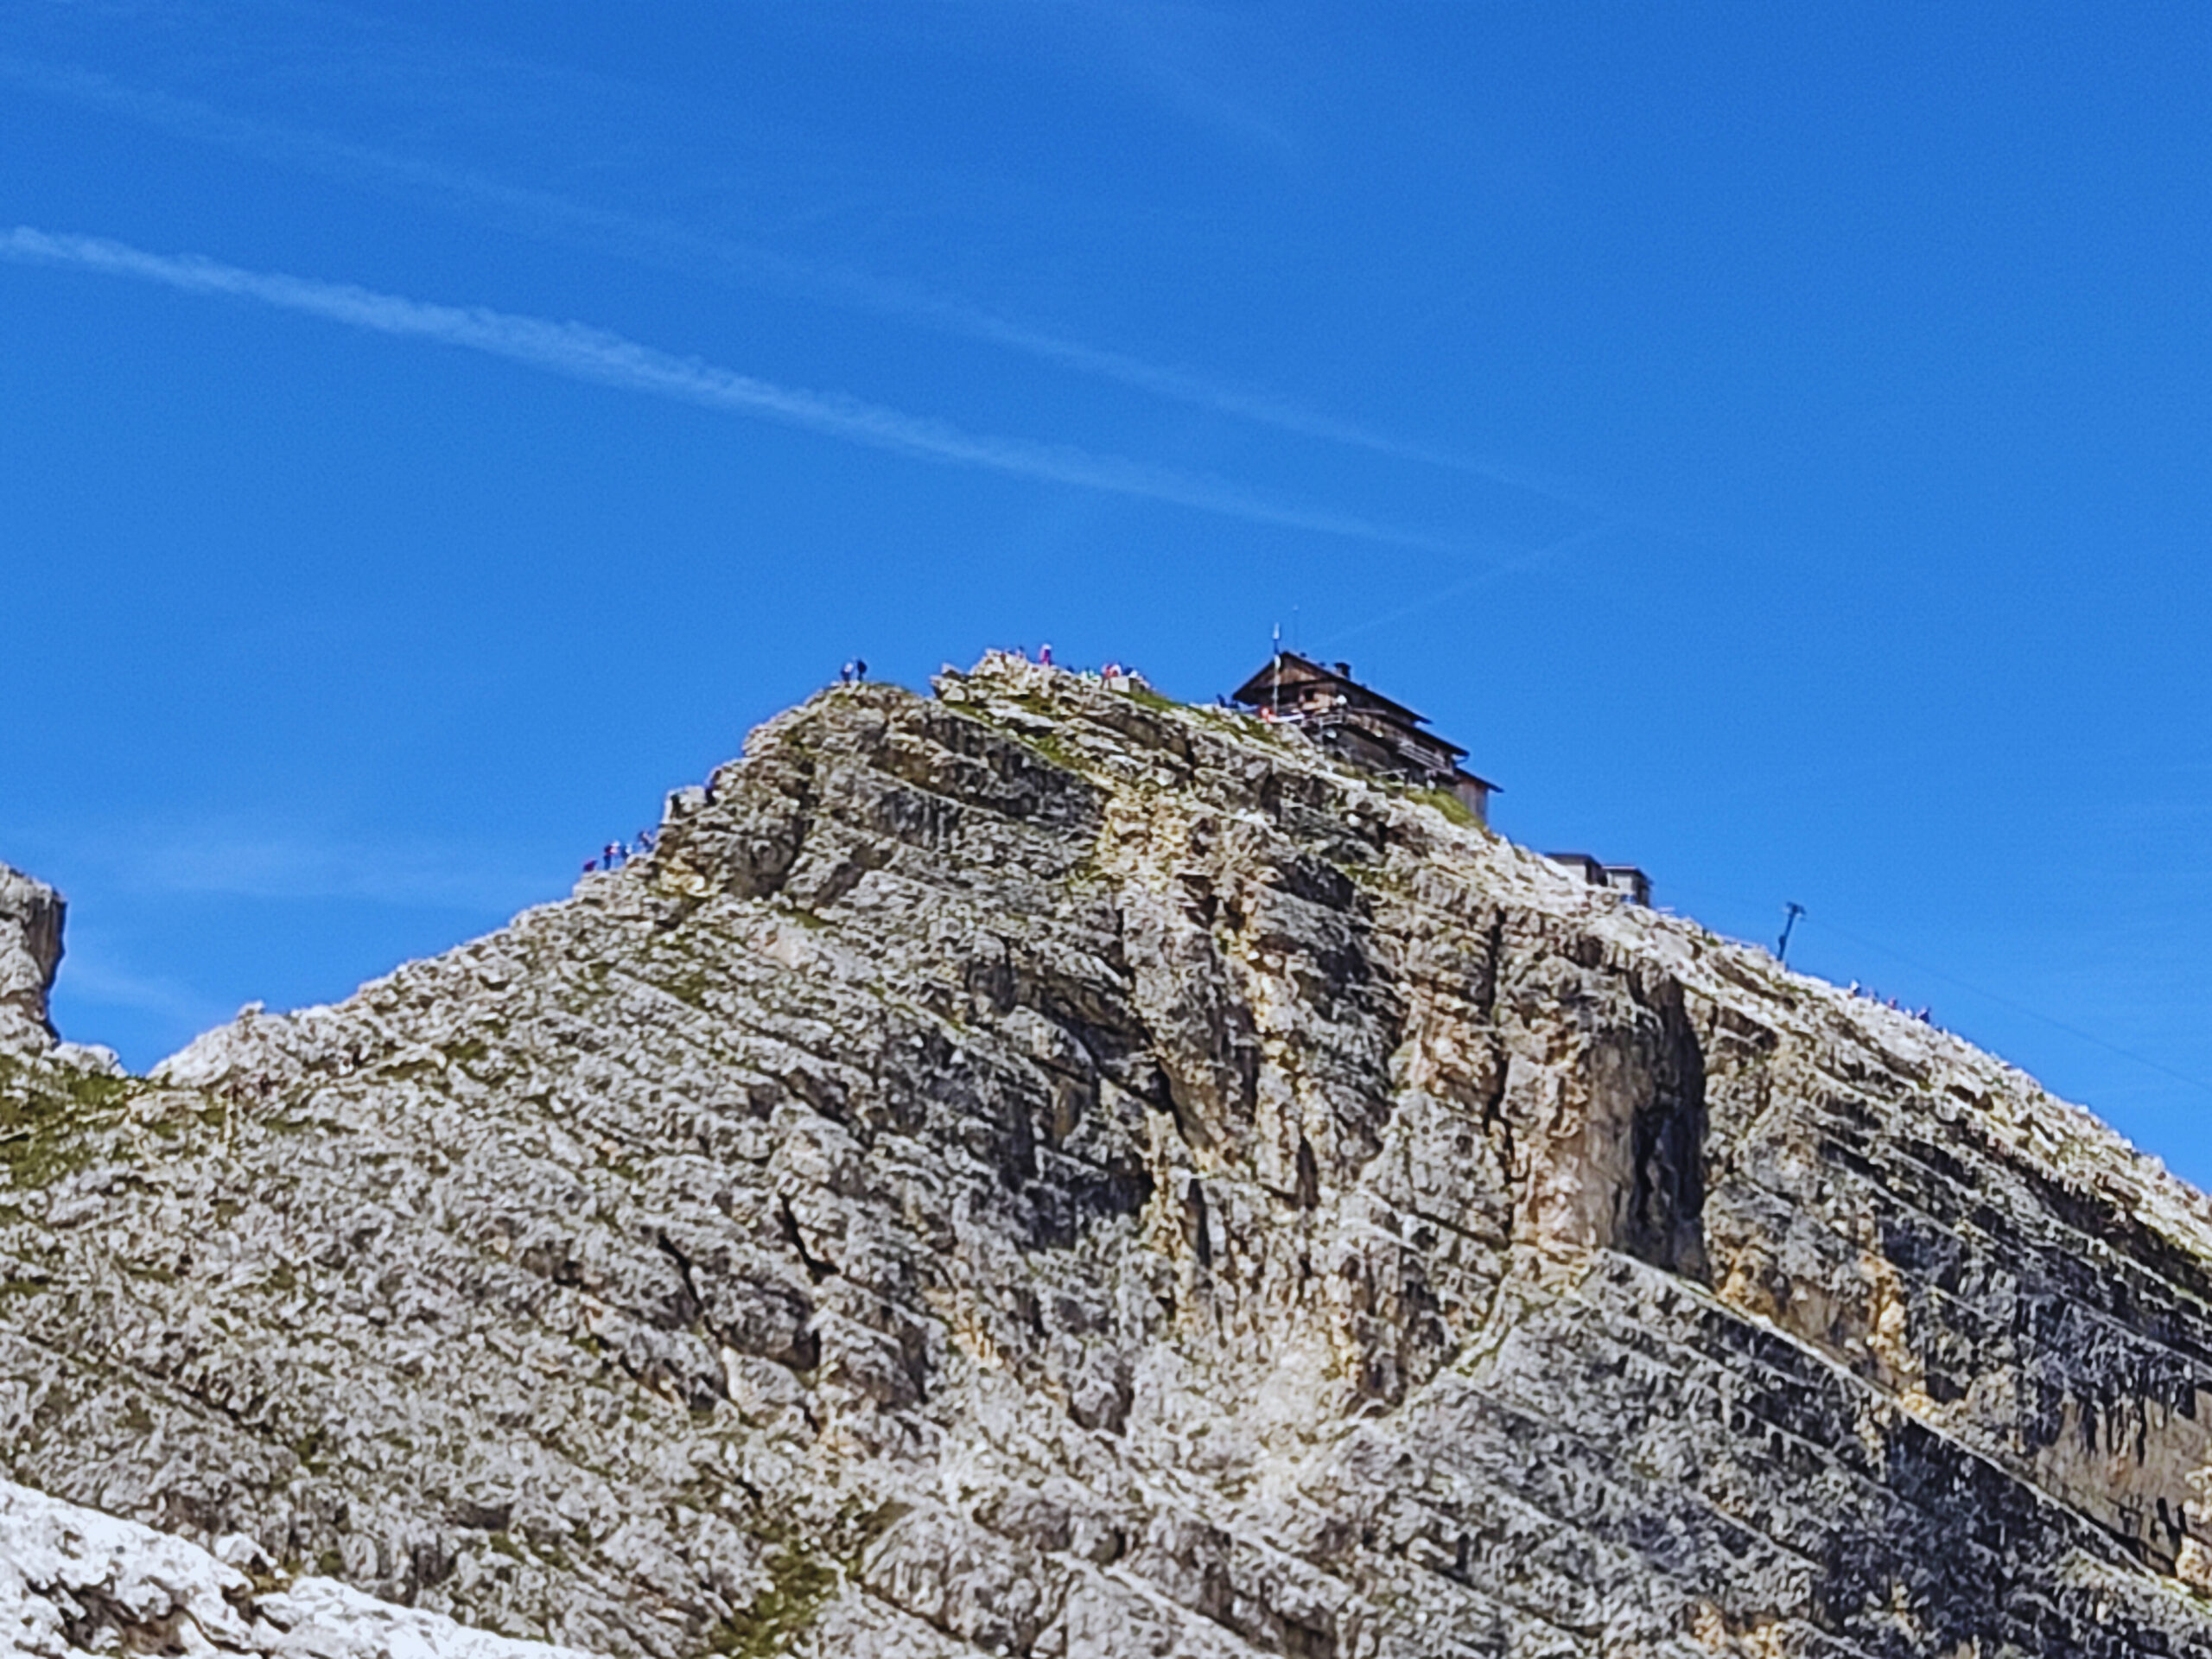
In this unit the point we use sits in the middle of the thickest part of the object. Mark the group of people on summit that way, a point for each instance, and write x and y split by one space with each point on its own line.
855 670
616 854
1926 1016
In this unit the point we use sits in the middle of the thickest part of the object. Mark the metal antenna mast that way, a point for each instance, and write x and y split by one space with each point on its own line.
1790 913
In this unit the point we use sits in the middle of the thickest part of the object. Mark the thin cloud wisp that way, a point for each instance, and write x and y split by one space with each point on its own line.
585 354
676 247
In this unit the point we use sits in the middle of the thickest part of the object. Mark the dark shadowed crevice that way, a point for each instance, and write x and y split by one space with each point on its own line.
1664 1222
1309 1176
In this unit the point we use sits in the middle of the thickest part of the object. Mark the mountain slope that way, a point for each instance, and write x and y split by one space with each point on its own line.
1041 1171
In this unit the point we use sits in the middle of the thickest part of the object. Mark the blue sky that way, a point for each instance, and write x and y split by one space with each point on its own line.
1775 445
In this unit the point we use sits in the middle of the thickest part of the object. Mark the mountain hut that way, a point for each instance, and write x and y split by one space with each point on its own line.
1362 726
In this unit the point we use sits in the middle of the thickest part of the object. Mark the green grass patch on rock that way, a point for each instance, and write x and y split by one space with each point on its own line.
797 1585
1450 805
44 1116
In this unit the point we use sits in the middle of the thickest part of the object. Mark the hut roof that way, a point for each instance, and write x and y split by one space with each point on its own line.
1303 670
1289 672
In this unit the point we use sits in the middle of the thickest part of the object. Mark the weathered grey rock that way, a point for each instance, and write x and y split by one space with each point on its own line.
30 950
74 1583
1040 1171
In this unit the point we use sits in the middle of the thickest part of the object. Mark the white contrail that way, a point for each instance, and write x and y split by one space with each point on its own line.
675 247
586 353
1528 561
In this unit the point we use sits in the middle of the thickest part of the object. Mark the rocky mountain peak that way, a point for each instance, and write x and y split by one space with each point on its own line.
30 951
1040 1170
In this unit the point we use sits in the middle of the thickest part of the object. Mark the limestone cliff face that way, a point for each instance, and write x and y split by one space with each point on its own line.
30 950
1034 1170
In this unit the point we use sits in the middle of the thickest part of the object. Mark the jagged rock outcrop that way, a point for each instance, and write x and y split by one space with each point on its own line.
74 1583
30 951
1041 1171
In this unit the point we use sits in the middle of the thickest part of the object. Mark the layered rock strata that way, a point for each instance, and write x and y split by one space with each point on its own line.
1041 1171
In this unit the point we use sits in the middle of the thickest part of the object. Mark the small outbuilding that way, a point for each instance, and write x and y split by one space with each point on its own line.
1625 879
1362 726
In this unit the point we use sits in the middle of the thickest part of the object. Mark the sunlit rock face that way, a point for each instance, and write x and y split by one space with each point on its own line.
1036 1170
30 948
